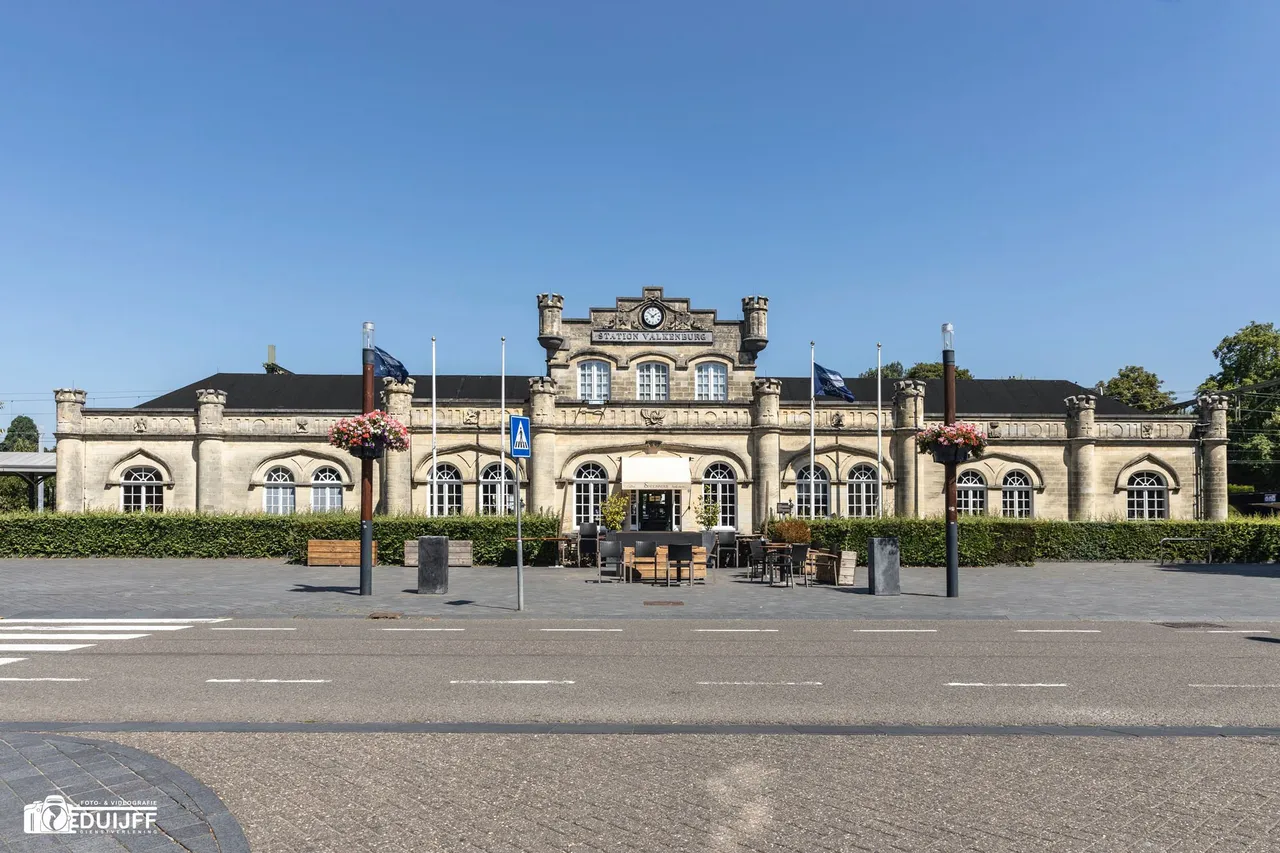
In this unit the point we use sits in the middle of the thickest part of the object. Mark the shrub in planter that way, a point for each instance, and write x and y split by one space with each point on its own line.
793 531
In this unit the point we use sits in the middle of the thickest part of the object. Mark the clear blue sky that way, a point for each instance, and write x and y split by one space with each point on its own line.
1076 184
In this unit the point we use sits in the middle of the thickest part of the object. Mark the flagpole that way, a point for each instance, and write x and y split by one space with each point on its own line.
879 442
434 465
812 410
502 426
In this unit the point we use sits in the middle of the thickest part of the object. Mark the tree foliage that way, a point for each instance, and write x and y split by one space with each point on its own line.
933 370
1138 387
889 370
23 436
1251 357
16 493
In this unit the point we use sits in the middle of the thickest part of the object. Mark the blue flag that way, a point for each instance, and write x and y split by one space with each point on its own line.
385 364
828 383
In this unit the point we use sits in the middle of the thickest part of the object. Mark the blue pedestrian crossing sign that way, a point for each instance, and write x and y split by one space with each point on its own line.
520 434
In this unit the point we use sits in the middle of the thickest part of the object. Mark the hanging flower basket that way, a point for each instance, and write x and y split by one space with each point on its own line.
951 443
367 436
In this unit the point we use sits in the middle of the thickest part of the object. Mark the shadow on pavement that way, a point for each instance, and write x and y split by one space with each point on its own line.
346 590
1242 569
1264 639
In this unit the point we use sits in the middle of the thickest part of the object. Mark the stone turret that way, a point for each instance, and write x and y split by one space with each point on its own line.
70 461
542 465
766 395
550 315
908 419
397 473
755 324
1212 409
1081 470
210 404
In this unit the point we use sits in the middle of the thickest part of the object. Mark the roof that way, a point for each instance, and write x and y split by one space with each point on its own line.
976 396
320 391
28 463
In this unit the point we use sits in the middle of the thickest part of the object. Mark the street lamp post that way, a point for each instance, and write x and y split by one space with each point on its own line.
366 472
949 413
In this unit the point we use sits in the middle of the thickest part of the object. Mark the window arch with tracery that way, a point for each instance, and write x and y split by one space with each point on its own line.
590 488
491 484
1148 497
142 490
720 487
813 493
1015 495
279 497
326 490
864 492
971 493
448 489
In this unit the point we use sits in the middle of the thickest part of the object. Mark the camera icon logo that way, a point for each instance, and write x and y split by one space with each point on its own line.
52 816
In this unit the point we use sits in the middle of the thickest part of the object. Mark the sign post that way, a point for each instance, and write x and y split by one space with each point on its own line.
521 448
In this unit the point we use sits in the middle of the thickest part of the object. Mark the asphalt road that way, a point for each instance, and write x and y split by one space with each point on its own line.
645 671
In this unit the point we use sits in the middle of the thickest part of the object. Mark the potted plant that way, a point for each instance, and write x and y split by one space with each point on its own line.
707 514
367 436
951 442
613 511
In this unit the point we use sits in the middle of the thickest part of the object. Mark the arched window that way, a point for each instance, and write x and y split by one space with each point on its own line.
816 484
1015 495
720 487
1148 496
864 496
590 488
490 486
651 381
142 490
711 381
326 490
448 489
279 497
971 493
593 381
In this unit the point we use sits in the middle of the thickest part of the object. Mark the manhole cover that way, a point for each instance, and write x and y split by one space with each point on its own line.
1191 625
664 604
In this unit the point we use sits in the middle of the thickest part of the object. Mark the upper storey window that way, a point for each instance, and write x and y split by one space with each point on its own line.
711 382
651 381
593 381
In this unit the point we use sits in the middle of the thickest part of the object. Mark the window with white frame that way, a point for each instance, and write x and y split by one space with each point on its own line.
593 381
326 490
1148 496
448 489
491 484
711 381
863 493
971 493
817 484
720 487
142 490
590 488
279 497
651 381
1015 495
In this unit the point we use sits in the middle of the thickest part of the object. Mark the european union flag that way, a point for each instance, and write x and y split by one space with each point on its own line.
385 364
828 383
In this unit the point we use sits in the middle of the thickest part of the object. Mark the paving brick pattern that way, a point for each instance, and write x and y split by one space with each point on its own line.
391 792
190 816
247 588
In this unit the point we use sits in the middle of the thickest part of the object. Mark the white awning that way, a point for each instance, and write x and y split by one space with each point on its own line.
655 472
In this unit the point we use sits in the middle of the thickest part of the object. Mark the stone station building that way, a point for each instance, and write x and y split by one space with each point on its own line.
656 398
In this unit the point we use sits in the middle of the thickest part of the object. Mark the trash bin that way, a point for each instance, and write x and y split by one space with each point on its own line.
883 565
433 565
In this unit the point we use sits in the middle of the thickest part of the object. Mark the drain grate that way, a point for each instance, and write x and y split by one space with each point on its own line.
1192 625
664 604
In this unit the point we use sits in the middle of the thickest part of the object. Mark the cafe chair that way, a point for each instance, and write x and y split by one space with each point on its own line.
726 545
756 560
611 559
681 556
793 560
647 549
588 544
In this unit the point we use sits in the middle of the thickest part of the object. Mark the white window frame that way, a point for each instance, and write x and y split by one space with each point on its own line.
711 382
720 487
326 490
821 507
490 483
971 493
1147 497
448 489
653 381
593 380
1016 495
864 492
279 492
142 490
590 488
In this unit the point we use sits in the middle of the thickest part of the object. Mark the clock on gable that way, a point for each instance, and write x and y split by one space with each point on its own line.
652 316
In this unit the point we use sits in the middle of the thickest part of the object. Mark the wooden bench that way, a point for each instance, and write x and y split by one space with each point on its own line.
459 552
835 569
648 570
336 552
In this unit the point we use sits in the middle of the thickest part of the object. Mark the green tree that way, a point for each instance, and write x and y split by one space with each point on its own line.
23 436
1251 357
1138 387
892 370
933 370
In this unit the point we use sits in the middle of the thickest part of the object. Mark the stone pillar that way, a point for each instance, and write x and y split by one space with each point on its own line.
1213 437
70 449
541 493
908 419
765 397
1081 472
397 468
209 407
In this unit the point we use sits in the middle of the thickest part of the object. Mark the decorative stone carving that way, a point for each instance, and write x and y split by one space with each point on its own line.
139 424
1146 430
653 417
1080 403
301 424
993 429
471 418
837 420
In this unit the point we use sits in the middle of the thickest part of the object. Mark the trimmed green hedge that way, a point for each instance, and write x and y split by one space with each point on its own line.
194 535
994 541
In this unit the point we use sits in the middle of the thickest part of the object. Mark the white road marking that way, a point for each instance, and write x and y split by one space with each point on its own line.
5 626
20 636
582 630
110 621
253 629
43 679
896 630
1001 684
421 629
40 647
516 681
4 661
760 683
266 681
1059 630
1234 685
736 630
1232 631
